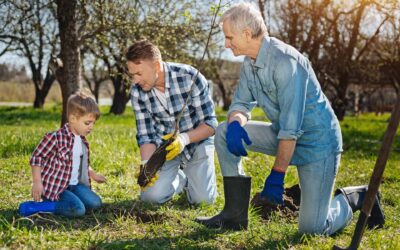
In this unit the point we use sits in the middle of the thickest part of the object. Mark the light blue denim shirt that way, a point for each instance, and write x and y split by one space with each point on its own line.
282 82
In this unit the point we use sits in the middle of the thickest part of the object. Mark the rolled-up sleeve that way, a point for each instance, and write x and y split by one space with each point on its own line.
243 100
144 121
291 81
202 102
44 150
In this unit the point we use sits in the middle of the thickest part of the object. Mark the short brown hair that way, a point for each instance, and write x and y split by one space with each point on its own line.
82 103
142 50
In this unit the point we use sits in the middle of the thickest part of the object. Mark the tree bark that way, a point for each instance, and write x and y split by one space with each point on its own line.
41 94
121 95
70 54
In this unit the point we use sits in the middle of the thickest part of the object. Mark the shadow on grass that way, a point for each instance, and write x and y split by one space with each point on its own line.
106 216
26 115
192 240
365 142
138 211
194 237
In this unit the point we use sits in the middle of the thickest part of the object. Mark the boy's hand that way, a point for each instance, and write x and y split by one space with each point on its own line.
37 191
98 177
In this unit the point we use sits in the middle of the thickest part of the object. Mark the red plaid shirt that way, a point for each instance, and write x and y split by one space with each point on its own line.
54 156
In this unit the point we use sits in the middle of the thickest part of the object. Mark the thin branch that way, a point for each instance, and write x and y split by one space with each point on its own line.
371 39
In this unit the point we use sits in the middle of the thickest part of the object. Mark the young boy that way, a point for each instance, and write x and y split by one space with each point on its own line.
61 167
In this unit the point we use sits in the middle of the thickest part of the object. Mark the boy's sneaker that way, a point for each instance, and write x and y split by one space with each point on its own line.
31 207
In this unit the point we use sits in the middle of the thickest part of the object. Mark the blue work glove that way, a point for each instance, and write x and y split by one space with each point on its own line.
234 137
273 187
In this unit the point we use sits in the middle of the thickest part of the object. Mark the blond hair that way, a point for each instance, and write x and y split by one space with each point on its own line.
142 50
82 103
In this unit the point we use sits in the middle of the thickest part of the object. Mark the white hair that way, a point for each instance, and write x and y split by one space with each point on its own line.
245 15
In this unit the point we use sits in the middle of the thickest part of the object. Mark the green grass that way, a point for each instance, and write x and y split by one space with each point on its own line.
116 226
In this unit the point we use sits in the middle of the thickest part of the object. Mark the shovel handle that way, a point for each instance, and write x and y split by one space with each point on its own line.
376 176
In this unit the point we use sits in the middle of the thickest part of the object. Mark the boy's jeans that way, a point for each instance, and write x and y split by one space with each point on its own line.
76 200
319 213
197 177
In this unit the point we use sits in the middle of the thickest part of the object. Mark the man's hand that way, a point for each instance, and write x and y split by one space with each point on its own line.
37 191
234 136
177 146
273 187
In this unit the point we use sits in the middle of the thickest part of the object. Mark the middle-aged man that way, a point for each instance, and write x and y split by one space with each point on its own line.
158 95
304 131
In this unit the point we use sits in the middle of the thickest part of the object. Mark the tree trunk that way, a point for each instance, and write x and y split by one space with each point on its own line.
39 99
227 100
70 53
96 91
121 96
340 103
339 108
41 94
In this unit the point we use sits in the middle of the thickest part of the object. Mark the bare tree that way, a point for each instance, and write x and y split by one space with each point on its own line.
178 33
75 30
387 48
336 38
29 30
70 74
350 42
94 73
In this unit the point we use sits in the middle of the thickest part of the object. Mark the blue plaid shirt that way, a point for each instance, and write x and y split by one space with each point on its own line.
153 120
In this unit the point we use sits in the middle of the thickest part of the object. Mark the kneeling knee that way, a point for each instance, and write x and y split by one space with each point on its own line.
76 211
95 203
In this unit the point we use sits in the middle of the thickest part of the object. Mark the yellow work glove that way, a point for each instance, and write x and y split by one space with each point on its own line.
177 146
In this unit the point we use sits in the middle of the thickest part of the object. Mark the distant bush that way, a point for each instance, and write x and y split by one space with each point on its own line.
12 73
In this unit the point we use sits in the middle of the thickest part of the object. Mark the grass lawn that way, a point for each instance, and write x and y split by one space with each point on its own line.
126 223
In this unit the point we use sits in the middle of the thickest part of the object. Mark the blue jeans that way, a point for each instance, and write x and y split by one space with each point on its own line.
76 200
319 213
197 177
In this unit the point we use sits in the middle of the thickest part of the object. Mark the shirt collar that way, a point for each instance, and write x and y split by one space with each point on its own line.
261 57
167 75
67 129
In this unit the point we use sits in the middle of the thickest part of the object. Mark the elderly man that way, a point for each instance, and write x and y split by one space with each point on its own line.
158 95
304 132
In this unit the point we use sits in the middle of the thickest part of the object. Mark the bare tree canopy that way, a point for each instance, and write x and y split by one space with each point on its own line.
348 42
29 29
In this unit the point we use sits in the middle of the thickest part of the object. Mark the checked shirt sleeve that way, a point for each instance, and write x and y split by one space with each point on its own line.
144 122
44 150
203 103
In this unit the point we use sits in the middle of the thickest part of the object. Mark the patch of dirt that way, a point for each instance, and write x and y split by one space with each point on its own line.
146 217
141 216
289 209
